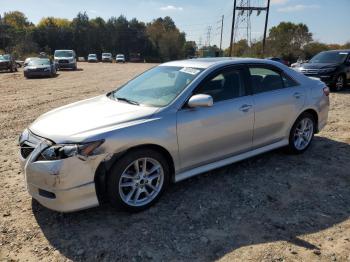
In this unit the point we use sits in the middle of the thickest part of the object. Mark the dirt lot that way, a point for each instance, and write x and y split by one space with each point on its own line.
274 207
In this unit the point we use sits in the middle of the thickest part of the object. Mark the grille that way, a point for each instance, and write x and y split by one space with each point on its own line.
26 150
63 61
310 71
37 70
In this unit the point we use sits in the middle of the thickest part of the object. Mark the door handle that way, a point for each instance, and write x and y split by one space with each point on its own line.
245 108
297 95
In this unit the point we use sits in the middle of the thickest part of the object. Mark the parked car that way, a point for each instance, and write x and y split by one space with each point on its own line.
39 67
332 67
278 59
120 58
92 58
135 58
65 59
298 63
170 123
7 62
107 57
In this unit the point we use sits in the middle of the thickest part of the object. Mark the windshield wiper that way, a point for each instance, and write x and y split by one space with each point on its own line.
127 100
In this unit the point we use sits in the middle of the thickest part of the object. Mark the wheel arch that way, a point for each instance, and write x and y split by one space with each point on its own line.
103 168
314 114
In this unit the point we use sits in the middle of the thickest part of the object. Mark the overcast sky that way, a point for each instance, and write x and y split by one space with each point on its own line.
328 20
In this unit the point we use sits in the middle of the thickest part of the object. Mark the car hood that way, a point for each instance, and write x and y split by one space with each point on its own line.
81 120
317 65
4 61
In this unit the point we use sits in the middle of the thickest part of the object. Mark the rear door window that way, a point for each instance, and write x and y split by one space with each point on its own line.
265 79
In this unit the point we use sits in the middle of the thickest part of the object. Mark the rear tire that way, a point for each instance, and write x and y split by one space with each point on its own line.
301 134
137 180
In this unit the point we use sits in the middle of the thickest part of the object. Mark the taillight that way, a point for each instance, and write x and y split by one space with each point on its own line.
326 91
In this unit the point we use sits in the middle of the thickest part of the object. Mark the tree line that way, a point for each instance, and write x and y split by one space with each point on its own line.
159 40
287 40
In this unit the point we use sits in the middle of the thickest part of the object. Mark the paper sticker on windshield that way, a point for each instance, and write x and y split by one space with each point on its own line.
189 70
343 53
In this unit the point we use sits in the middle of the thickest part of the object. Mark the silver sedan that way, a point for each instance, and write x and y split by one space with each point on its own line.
172 122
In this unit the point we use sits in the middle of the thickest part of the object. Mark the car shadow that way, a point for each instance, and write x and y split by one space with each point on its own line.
42 77
71 70
271 197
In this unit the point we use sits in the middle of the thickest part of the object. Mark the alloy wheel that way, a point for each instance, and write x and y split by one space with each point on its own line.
141 182
339 84
303 133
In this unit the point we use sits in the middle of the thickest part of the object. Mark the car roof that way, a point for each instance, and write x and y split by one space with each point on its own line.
208 62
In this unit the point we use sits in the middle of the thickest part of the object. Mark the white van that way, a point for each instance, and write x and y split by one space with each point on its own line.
65 59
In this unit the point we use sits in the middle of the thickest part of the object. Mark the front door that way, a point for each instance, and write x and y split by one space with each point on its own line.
207 134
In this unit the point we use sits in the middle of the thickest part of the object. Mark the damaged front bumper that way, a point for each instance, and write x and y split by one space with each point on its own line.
63 185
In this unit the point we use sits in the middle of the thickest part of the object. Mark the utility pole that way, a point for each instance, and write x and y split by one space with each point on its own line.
232 27
265 29
222 28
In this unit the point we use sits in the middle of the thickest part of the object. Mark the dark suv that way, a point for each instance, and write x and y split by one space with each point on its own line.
332 67
7 62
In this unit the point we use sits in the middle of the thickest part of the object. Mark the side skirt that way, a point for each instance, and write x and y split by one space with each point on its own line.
230 160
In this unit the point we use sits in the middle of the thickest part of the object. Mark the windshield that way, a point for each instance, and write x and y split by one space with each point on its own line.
4 57
120 56
63 53
329 57
106 54
92 55
158 86
38 62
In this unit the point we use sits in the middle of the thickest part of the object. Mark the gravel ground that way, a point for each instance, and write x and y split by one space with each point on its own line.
274 207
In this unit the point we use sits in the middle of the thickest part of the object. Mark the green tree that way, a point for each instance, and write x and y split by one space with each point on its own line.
190 48
240 48
287 40
17 20
167 40
81 34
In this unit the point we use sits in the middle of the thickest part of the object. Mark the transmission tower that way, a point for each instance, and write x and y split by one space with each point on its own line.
208 35
241 20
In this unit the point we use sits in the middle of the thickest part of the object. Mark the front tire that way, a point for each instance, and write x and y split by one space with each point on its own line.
301 134
137 180
339 83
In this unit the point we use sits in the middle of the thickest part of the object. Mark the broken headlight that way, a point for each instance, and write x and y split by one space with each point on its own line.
63 151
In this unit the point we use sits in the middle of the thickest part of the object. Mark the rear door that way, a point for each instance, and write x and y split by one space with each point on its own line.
278 100
207 134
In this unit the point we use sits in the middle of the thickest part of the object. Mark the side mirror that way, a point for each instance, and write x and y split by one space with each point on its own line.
200 100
